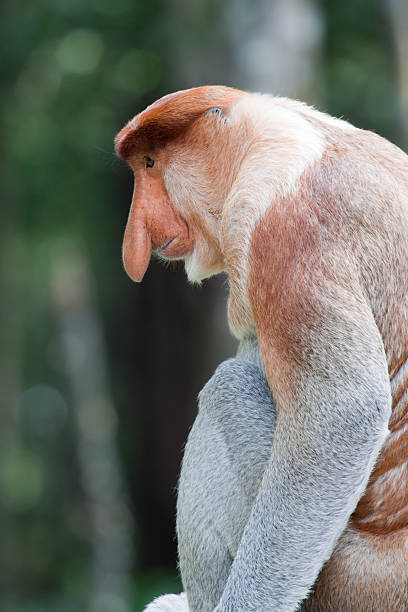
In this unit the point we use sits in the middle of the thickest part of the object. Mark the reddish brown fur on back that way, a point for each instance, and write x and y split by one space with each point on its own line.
170 116
363 575
316 228
289 274
384 507
347 223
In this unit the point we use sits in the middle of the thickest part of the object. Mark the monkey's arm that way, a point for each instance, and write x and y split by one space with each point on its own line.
225 456
329 377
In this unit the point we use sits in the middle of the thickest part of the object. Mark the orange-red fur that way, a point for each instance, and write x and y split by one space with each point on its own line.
169 117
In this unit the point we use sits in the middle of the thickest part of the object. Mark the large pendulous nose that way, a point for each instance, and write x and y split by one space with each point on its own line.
152 224
137 245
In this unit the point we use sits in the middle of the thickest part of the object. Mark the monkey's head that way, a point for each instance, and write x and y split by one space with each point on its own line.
184 152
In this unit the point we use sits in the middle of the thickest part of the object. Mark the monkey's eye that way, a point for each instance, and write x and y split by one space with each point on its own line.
149 162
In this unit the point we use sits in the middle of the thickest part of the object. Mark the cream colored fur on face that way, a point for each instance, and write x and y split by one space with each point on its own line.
263 147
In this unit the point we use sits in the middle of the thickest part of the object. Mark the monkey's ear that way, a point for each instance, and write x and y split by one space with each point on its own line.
216 111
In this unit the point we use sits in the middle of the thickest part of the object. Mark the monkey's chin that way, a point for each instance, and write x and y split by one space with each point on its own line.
196 271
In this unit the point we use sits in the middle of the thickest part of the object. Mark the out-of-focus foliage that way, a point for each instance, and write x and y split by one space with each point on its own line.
73 72
360 68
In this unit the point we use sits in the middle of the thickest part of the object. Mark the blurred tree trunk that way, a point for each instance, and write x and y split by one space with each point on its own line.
398 12
110 533
271 46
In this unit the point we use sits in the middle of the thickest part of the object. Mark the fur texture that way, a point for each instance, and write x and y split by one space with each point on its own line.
293 485
169 603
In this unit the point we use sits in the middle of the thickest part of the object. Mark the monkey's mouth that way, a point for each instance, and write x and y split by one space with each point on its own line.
175 248
164 246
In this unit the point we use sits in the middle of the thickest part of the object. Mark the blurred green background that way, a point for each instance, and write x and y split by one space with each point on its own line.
99 377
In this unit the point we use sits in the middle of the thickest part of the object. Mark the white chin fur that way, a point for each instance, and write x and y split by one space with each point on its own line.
195 271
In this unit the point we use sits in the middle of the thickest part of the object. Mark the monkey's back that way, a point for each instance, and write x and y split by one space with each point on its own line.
383 255
368 570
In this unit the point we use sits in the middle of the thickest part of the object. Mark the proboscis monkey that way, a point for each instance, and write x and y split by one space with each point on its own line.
294 486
